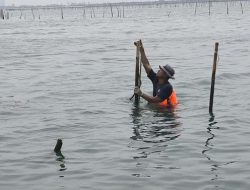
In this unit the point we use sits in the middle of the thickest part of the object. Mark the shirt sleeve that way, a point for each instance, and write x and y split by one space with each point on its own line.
165 92
152 75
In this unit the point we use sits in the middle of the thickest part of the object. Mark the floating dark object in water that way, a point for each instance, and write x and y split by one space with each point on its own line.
58 146
60 158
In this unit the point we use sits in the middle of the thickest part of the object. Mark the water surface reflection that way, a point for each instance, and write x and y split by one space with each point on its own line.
153 128
216 165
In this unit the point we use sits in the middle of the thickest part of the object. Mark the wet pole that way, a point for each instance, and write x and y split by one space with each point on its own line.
2 14
227 9
195 10
213 78
209 7
58 146
137 70
62 13
241 7
59 154
112 14
138 67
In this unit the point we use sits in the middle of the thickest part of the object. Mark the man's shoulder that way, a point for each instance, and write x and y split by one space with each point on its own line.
168 86
165 91
152 76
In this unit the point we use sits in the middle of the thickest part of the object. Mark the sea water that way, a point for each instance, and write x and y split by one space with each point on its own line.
72 79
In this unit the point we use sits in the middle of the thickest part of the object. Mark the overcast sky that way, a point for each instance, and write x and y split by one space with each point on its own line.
45 2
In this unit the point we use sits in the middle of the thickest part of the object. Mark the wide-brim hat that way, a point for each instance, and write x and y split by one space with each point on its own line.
168 70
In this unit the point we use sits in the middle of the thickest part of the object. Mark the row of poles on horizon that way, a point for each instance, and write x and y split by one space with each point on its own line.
108 11
210 5
114 12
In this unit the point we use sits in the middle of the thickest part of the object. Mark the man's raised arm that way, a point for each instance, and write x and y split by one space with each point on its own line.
144 59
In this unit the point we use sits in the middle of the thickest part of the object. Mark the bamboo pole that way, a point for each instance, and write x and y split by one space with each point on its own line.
213 78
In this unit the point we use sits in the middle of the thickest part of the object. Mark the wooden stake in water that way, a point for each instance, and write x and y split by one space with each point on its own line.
227 9
241 7
58 152
118 12
33 14
2 14
209 7
21 15
93 12
84 13
7 15
137 70
39 16
62 13
213 78
112 14
58 146
195 8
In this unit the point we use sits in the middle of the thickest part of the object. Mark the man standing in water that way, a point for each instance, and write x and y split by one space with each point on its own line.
163 93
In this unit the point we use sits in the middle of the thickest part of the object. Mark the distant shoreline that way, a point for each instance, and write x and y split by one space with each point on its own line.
90 5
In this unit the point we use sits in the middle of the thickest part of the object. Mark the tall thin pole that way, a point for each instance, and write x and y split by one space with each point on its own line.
62 13
84 13
209 7
112 14
137 70
7 15
33 14
241 7
213 78
227 8
2 14
21 15
195 8
118 12
93 12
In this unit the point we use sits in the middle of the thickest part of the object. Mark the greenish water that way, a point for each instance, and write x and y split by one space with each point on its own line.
72 79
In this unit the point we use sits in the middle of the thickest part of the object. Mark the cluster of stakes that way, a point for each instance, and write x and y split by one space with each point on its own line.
111 10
